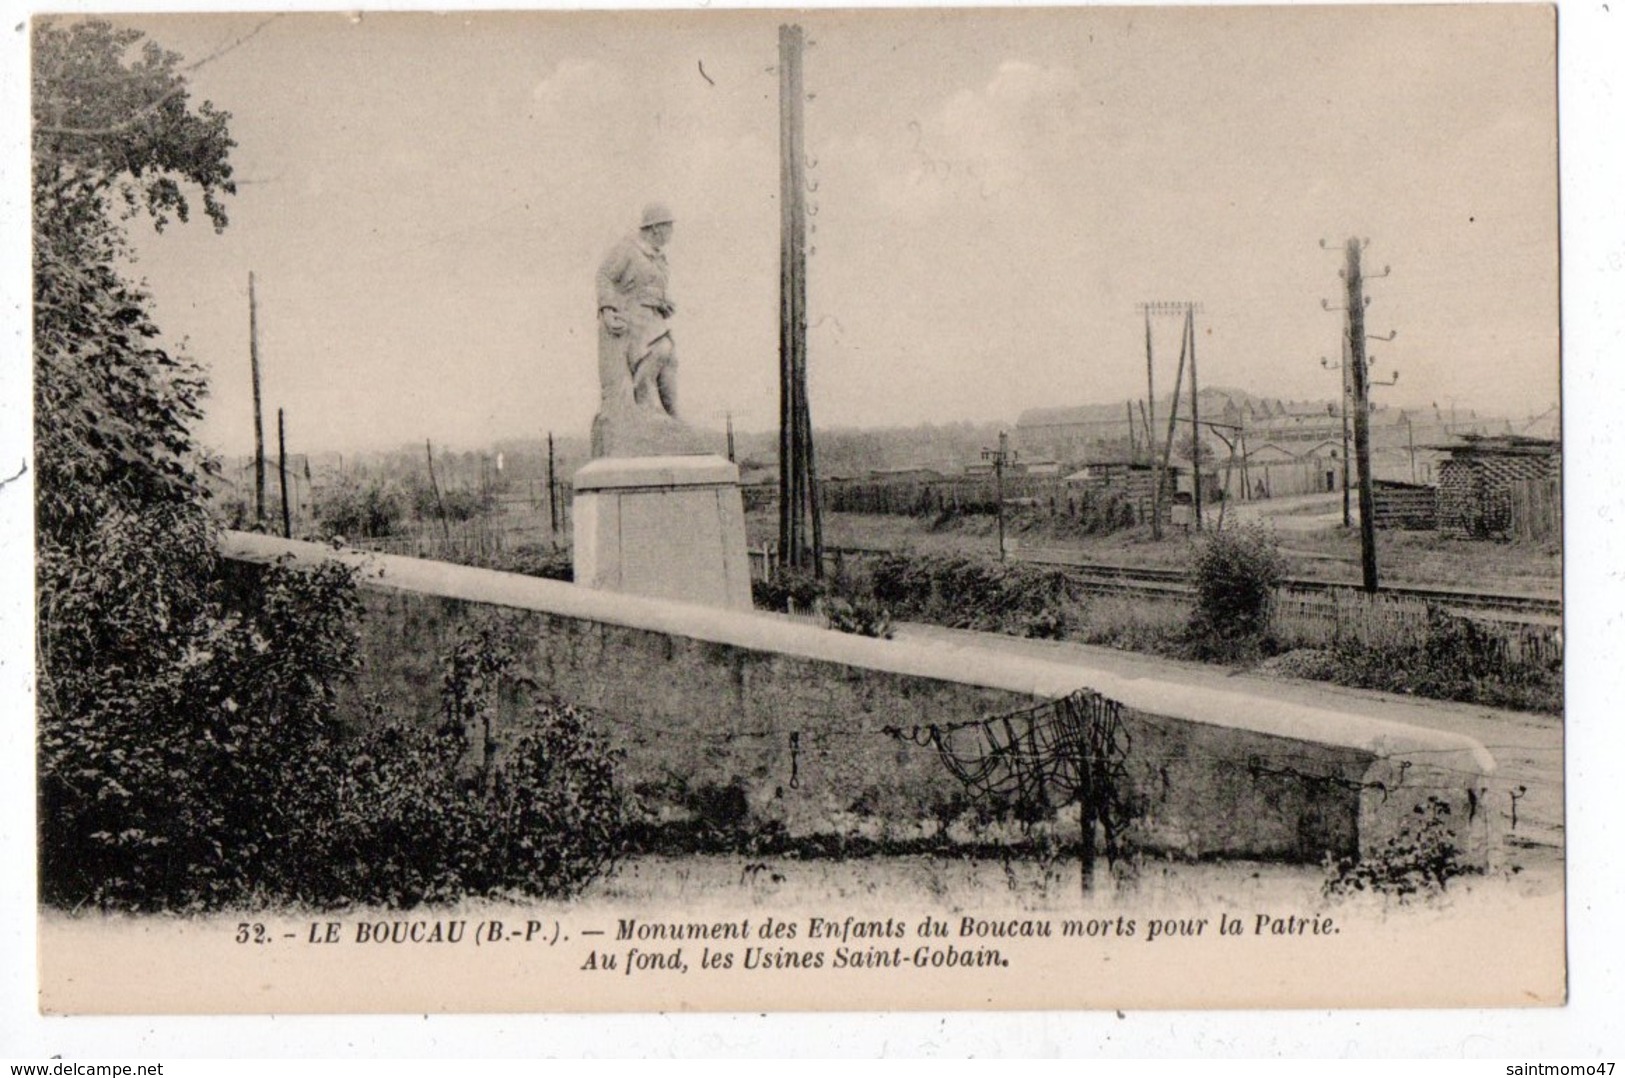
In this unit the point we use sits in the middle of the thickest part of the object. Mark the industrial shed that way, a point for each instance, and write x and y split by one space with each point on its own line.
1491 484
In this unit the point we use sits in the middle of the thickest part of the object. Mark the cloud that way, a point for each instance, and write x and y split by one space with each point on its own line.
1024 105
575 87
984 148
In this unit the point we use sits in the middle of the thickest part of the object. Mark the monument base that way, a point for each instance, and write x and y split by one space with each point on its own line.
666 527
636 431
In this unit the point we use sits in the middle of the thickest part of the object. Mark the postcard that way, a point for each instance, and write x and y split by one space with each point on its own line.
921 509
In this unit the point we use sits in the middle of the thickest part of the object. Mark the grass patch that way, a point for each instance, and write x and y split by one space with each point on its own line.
1132 624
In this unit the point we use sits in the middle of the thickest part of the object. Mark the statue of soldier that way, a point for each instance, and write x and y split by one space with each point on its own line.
635 310
637 357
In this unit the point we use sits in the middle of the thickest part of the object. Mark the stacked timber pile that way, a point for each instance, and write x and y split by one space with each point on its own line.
1408 506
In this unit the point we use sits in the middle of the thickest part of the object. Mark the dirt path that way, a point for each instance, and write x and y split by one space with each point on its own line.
1300 513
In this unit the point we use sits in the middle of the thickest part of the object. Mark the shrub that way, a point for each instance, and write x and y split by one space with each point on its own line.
973 593
1420 860
1458 658
557 817
455 504
175 714
360 511
1100 512
1235 573
481 805
196 763
788 589
405 817
535 559
859 615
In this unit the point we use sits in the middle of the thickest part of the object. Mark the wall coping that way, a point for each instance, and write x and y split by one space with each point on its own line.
958 663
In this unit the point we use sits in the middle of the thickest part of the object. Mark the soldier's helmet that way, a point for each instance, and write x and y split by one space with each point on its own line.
656 213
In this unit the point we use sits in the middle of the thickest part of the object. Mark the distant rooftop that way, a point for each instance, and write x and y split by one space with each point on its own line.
1505 445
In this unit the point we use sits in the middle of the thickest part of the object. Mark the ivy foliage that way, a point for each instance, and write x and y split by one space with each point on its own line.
485 804
113 138
161 690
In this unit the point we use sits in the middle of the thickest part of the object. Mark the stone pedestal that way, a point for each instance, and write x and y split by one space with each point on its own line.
666 527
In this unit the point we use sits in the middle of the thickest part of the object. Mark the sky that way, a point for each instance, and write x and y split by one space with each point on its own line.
424 199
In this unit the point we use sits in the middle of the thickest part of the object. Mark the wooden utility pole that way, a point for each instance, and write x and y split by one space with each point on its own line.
1000 458
1343 369
1151 425
1241 441
259 422
552 493
732 459
1362 417
282 474
789 192
1128 413
801 539
1187 343
434 485
1173 406
1196 417
1229 470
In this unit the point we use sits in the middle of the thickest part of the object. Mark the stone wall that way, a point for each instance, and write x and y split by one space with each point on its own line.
820 733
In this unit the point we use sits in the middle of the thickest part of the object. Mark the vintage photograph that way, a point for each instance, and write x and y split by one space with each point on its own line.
818 510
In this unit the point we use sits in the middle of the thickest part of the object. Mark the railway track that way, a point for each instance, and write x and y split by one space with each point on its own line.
1174 583
1146 580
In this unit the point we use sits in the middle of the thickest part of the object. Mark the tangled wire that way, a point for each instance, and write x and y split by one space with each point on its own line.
1036 760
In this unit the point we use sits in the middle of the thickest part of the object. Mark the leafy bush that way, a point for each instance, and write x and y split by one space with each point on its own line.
356 510
1458 658
1098 512
406 817
478 806
1235 572
534 559
174 716
972 593
262 799
454 504
1420 860
788 589
859 615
